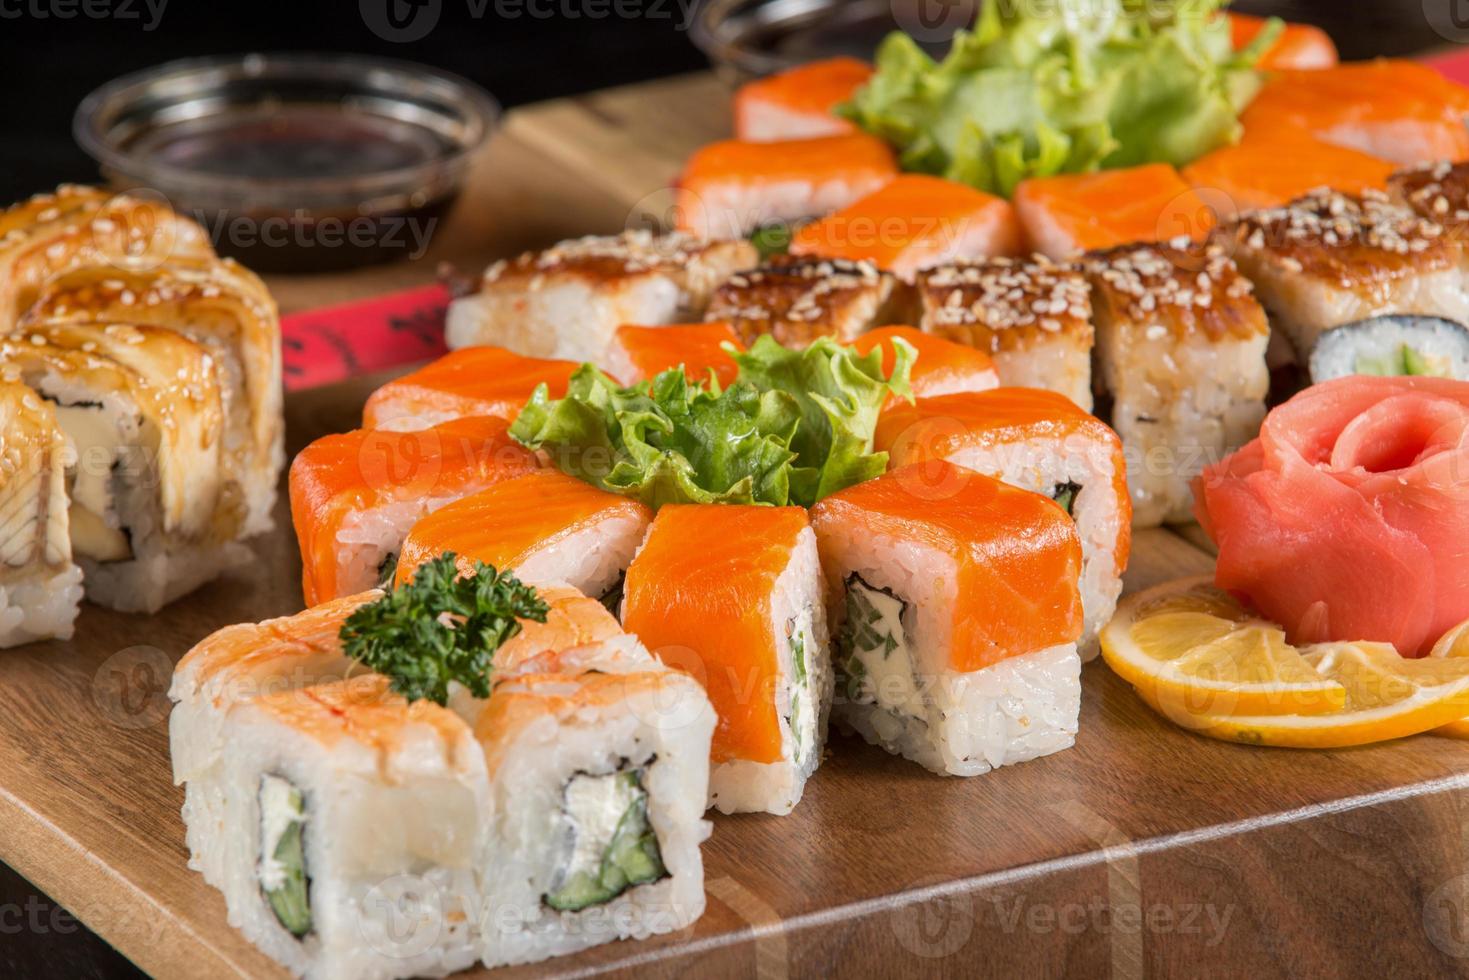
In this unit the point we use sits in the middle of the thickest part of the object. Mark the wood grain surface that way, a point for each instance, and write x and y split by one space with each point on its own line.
1144 850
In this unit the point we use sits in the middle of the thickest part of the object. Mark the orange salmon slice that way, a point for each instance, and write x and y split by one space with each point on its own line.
472 381
1075 213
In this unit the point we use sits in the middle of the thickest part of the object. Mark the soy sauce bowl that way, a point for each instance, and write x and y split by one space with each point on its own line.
294 162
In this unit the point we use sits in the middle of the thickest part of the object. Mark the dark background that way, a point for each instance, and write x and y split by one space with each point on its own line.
48 63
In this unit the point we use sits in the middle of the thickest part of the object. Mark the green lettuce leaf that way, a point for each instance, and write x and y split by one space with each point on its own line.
667 440
1065 87
839 395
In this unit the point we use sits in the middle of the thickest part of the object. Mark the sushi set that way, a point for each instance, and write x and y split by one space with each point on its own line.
741 595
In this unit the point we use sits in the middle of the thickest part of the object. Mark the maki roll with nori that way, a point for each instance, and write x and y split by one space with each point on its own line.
1391 346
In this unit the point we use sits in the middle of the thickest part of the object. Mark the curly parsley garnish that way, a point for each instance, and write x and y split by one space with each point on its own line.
441 627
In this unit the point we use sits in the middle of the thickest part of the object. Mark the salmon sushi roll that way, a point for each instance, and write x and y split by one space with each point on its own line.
731 188
40 586
797 103
1032 317
473 381
598 784
1181 346
1397 110
1274 168
545 526
355 495
955 604
640 353
733 596
796 300
343 800
942 367
566 301
1039 441
1073 213
1327 259
913 223
1299 46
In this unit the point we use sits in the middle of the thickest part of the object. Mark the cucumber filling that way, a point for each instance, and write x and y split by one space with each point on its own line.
1065 495
608 845
1405 361
876 661
282 868
802 718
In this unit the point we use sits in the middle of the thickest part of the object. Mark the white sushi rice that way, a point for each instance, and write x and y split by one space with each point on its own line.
39 603
734 209
389 848
666 734
796 608
767 121
1040 468
951 722
591 560
368 537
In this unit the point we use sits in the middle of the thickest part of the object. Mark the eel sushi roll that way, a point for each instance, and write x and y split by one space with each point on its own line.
219 305
942 368
796 300
155 502
343 802
567 301
913 223
598 784
355 495
1033 317
1066 215
473 381
75 227
1181 349
797 103
731 188
956 610
1040 441
733 595
1328 258
545 526
639 353
40 587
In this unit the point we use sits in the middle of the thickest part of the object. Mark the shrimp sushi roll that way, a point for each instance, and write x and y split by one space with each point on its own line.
1073 213
1181 348
75 227
912 223
731 188
579 634
796 300
566 301
1300 46
343 800
355 495
639 353
1398 110
1275 167
1040 441
942 367
40 587
155 502
1328 258
733 595
546 526
955 604
797 103
598 785
1033 317
223 307
473 381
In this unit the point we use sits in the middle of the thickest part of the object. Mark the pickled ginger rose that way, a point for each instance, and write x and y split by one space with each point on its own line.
1348 518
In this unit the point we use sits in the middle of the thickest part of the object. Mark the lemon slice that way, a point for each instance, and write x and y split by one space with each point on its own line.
1388 696
1191 651
1454 643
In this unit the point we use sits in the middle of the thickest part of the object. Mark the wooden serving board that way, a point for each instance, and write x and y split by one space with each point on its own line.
1143 849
